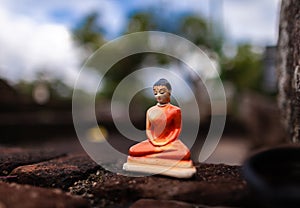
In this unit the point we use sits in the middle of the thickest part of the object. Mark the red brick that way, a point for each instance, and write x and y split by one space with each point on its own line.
11 158
25 196
60 173
150 203
213 185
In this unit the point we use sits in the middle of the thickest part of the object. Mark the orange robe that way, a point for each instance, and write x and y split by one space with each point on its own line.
163 126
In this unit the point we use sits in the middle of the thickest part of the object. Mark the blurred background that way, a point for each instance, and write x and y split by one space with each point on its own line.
45 43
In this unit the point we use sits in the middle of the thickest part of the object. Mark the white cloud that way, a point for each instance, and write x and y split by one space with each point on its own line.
29 46
249 20
35 38
70 12
35 35
254 21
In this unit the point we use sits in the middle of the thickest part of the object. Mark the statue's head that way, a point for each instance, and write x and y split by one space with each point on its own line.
162 91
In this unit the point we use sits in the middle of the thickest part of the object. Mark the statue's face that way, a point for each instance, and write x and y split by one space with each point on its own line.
162 94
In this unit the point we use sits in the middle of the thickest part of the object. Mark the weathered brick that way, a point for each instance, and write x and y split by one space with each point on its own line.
150 203
60 173
11 158
213 185
25 196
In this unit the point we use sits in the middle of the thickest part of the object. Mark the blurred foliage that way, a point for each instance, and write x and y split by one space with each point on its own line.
196 30
118 72
245 69
141 22
89 33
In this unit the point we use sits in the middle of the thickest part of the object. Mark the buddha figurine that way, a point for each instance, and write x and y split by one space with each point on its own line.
162 153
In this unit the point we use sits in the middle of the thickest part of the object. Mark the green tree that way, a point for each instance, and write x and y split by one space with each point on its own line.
89 33
141 22
197 30
244 70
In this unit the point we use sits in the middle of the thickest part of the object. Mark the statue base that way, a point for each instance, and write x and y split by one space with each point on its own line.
167 167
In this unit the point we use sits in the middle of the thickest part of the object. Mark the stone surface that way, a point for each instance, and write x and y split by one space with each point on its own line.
11 158
25 196
213 185
150 203
60 173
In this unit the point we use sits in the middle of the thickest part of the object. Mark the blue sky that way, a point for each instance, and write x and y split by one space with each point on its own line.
248 20
29 27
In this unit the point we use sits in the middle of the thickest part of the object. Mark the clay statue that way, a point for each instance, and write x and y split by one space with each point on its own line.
162 153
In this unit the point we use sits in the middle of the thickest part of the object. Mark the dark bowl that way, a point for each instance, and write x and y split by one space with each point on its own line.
274 176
